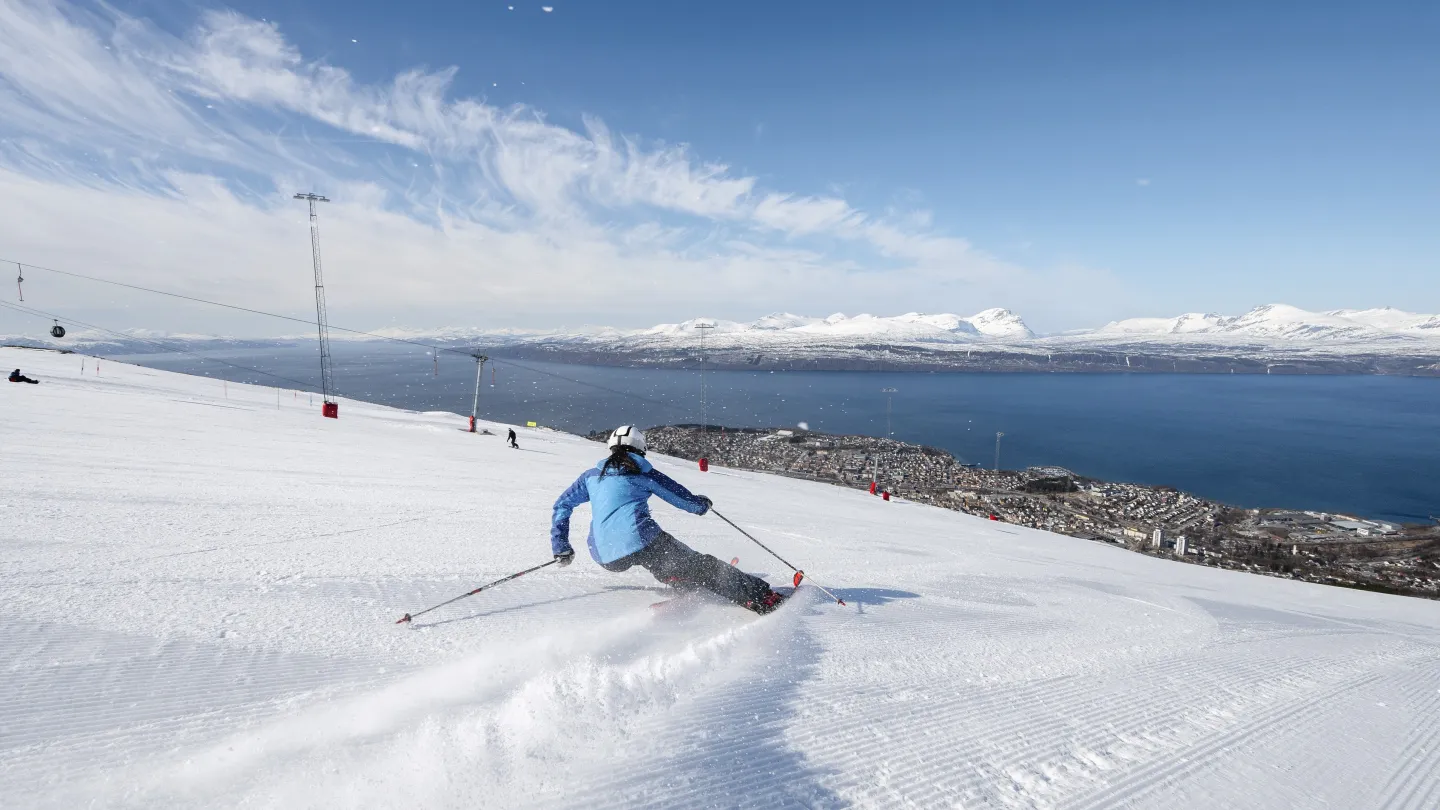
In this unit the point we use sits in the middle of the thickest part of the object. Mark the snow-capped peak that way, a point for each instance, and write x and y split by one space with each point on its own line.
1389 319
689 327
1282 322
1197 322
999 322
783 320
1189 323
992 323
1285 321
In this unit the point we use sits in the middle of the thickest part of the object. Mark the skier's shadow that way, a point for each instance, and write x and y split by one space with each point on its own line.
872 597
863 598
528 605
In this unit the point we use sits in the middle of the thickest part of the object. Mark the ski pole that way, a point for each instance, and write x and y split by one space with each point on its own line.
407 617
798 573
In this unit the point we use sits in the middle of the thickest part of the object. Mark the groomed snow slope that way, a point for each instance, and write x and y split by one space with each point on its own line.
200 589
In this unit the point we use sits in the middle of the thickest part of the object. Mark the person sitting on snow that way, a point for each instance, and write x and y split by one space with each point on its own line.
623 534
16 376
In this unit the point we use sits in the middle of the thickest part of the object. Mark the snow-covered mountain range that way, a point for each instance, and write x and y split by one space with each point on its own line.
1282 322
1273 324
1265 339
993 323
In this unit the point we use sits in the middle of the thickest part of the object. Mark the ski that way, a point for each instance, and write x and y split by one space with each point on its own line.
695 599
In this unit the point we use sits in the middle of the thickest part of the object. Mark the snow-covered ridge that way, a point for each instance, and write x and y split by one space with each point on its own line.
1277 324
1284 322
1374 341
1273 323
1270 337
999 323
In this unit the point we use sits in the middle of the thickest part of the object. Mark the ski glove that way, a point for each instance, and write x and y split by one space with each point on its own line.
565 559
709 504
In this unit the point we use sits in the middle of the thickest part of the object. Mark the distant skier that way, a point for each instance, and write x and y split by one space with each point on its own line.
623 534
510 439
16 376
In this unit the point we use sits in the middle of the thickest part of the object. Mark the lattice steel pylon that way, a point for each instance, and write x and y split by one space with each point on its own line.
704 392
475 405
330 408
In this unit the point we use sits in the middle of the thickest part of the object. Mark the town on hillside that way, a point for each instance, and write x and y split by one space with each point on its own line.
1313 546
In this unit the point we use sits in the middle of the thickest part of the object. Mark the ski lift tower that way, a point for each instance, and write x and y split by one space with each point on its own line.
330 408
704 394
998 437
475 405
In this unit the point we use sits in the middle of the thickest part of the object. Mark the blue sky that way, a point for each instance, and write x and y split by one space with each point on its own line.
1075 162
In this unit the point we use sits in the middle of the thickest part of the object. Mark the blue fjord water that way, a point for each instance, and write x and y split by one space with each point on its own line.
1361 445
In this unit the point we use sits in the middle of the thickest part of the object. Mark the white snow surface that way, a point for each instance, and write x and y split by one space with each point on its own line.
201 588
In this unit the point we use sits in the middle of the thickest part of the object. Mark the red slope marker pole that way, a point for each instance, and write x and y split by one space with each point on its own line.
798 573
407 617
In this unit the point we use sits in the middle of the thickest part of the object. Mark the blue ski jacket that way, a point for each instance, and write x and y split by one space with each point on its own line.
620 522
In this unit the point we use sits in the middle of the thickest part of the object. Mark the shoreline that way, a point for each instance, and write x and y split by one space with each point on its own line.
876 357
404 379
1328 548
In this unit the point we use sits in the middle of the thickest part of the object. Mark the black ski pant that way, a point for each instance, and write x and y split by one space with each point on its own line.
679 566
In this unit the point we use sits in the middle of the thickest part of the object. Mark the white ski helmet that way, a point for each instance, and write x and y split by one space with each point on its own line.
627 436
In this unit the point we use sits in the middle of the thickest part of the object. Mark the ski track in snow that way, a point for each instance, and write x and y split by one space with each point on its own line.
200 603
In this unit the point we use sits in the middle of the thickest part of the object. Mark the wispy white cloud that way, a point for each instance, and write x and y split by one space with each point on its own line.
805 215
126 146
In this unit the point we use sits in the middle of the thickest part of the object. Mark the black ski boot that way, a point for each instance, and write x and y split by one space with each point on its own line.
768 603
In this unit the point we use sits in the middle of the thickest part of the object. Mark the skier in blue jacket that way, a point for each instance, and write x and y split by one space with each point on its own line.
623 534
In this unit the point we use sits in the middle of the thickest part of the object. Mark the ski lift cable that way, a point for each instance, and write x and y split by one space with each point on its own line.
638 397
467 352
26 310
238 308
167 347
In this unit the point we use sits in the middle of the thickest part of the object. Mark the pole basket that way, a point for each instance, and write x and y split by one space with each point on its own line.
330 410
704 465
472 424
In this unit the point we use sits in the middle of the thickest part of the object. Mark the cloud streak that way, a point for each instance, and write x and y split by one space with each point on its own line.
171 160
